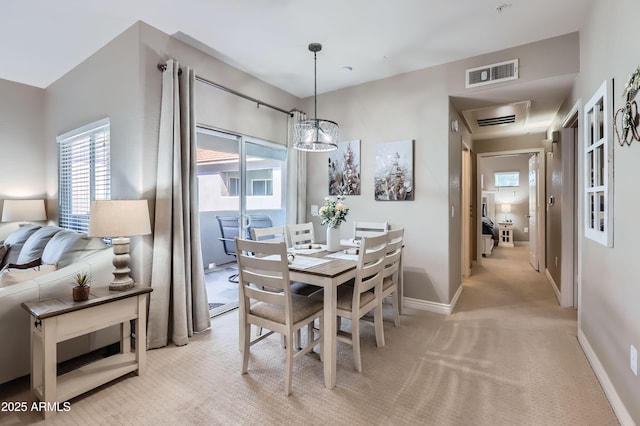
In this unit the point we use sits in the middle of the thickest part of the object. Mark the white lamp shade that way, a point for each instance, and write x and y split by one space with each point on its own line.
23 210
119 218
506 208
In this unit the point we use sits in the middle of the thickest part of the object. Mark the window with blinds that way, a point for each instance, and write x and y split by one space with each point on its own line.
84 173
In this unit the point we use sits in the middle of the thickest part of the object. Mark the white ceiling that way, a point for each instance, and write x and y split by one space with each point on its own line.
44 39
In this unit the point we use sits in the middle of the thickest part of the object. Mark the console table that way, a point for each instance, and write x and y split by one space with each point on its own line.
59 319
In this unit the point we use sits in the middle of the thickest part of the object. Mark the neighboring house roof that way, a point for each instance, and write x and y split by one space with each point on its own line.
205 156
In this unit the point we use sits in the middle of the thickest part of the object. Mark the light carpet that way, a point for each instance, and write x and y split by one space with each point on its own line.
507 356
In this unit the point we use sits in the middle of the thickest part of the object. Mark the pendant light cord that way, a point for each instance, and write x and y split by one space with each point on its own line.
315 86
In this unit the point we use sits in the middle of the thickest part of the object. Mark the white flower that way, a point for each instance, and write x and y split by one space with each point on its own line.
334 211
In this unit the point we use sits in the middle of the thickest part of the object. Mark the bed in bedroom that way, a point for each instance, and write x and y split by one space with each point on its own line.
489 236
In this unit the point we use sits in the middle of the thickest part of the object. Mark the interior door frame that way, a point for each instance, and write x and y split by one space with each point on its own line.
466 210
571 243
536 160
540 214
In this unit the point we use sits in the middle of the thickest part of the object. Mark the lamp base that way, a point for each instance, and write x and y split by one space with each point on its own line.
120 285
121 279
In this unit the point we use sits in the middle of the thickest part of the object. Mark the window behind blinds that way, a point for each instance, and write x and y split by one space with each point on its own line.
84 173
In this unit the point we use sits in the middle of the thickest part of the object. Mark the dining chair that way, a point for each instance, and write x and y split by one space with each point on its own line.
272 234
301 233
256 222
264 265
354 302
390 275
368 229
229 230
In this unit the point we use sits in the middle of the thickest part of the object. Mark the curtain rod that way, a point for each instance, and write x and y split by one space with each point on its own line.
163 67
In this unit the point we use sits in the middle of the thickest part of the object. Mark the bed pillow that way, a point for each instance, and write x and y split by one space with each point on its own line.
34 246
14 276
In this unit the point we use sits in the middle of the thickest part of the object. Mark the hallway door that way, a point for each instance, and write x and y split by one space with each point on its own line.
533 212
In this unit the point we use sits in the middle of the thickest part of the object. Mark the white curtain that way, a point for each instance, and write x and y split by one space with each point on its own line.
297 176
178 304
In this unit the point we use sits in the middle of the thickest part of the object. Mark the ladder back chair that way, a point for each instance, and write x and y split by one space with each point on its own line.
354 302
272 234
301 233
368 229
264 265
276 234
390 276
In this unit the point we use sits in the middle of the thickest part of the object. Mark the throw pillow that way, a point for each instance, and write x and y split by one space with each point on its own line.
32 264
14 276
16 240
64 248
35 244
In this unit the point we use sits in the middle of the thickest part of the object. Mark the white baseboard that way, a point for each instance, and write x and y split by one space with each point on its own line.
554 286
609 390
438 308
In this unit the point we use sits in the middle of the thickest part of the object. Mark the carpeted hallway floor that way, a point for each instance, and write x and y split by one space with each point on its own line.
507 356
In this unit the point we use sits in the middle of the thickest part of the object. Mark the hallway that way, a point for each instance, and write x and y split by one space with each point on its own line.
522 338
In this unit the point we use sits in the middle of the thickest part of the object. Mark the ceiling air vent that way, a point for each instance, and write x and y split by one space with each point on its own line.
496 121
489 74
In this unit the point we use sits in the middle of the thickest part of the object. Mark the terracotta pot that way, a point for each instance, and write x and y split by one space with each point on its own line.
81 293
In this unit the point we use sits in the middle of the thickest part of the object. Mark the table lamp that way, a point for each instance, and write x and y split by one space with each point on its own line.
23 210
118 220
506 208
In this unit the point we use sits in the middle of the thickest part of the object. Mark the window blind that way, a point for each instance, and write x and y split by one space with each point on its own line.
84 173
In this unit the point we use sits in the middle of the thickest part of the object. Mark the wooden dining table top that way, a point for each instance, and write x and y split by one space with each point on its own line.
330 269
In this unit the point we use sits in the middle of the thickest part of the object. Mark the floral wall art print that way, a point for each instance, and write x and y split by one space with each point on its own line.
393 171
344 169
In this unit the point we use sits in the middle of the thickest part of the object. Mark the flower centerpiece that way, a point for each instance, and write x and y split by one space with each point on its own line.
333 213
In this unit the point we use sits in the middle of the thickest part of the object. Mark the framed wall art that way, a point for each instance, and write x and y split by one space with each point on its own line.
393 171
344 169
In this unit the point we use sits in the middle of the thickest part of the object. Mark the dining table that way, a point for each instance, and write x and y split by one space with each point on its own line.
313 264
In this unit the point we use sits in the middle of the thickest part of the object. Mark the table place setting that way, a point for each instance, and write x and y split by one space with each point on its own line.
307 248
304 262
350 242
349 254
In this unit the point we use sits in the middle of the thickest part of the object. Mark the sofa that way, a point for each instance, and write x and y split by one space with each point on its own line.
40 262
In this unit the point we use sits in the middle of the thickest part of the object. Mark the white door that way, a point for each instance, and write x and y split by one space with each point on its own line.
533 211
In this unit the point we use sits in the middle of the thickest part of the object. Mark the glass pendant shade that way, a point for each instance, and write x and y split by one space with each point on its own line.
316 135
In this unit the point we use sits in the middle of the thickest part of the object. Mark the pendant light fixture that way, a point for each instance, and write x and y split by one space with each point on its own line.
317 134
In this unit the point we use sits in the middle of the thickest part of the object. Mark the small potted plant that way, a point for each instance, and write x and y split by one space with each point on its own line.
82 288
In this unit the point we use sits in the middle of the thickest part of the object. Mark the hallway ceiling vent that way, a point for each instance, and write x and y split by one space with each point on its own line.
494 73
496 121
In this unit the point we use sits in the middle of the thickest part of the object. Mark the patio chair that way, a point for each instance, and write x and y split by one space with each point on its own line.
229 230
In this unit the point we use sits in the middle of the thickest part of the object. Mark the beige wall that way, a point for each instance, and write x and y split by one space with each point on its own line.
411 106
610 282
22 159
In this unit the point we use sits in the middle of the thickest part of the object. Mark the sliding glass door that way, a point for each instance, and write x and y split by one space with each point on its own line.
242 184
